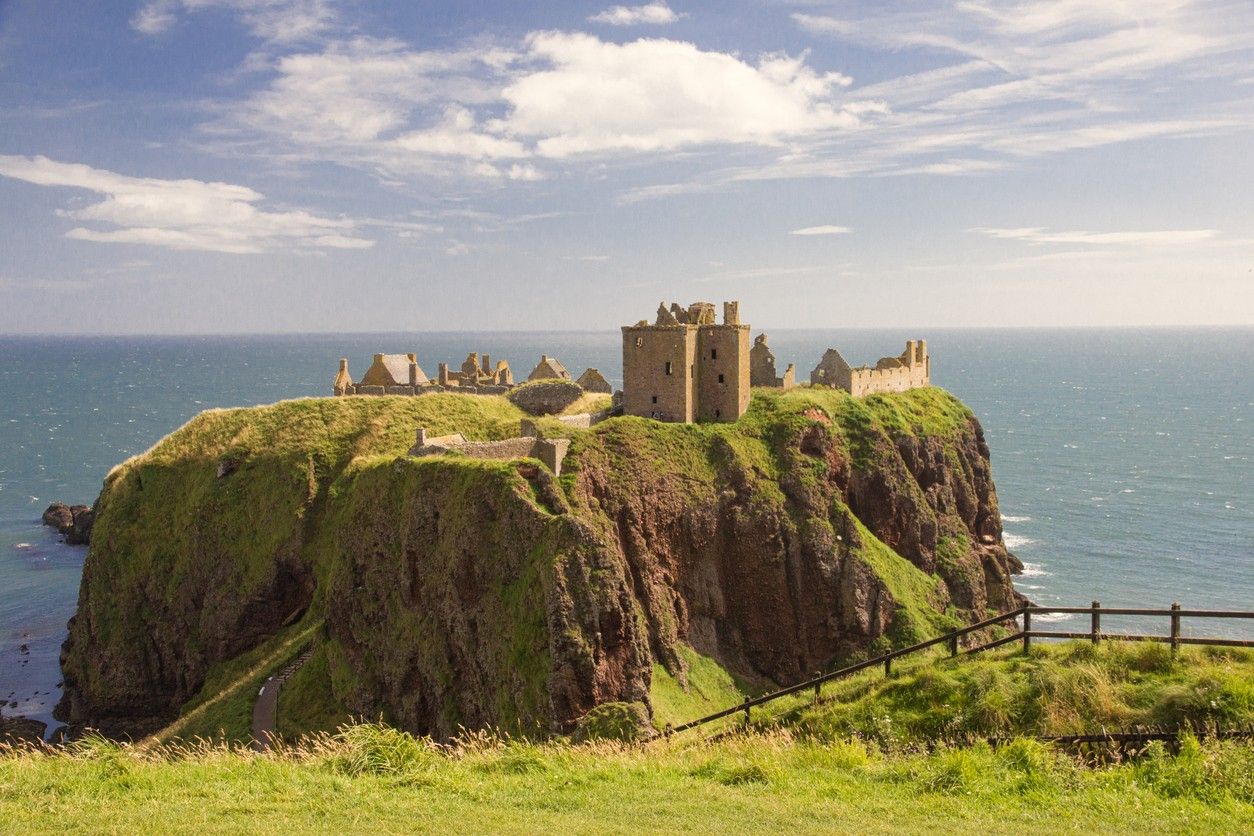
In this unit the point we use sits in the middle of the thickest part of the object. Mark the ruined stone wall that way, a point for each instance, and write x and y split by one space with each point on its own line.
913 368
723 378
550 451
659 371
871 381
509 448
361 389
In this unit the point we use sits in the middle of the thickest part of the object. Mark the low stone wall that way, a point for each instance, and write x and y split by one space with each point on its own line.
550 451
509 448
426 390
870 381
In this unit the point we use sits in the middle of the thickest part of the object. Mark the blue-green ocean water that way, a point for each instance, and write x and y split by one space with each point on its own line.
1122 457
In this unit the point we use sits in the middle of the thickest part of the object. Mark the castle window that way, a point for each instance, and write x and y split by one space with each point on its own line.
655 398
639 342
718 413
720 378
670 369
713 353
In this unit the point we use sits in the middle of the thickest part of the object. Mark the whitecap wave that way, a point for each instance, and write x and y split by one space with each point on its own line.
1033 570
1050 616
1016 541
1006 518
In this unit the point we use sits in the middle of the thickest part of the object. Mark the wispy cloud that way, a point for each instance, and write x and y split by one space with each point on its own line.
651 13
276 21
822 230
1001 85
181 214
1039 235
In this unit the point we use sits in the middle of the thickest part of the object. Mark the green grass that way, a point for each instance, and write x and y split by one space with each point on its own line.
373 779
1069 688
710 688
917 594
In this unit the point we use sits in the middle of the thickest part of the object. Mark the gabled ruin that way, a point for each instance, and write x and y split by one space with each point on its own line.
762 367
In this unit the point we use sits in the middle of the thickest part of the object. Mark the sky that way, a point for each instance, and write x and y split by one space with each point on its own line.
219 166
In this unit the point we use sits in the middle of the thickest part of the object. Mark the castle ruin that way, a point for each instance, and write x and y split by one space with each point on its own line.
762 367
686 366
400 374
913 368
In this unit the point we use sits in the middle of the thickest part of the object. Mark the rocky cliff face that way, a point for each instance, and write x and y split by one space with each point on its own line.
467 593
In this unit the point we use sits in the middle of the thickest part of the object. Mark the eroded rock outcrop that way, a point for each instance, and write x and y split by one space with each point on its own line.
73 522
486 593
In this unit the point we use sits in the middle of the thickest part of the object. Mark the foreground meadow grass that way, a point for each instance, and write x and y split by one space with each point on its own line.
372 778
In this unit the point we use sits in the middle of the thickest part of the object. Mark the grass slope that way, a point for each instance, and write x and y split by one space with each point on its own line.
374 779
1068 688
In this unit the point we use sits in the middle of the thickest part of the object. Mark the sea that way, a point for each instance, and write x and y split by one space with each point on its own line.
1122 457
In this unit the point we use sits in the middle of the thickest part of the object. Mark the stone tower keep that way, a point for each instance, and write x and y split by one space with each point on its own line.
686 366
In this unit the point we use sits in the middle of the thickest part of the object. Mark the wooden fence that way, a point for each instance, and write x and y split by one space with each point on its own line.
1024 634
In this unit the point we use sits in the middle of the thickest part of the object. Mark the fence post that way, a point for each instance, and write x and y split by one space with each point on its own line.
1095 630
746 709
1027 629
888 666
953 645
817 687
1175 627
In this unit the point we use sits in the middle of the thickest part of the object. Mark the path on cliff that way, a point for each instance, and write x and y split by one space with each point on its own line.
268 663
266 708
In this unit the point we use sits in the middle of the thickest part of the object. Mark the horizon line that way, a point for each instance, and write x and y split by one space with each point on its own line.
767 328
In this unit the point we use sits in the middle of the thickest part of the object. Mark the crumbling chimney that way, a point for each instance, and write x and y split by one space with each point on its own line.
731 313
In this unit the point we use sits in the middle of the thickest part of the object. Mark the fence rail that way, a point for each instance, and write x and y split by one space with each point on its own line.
1025 635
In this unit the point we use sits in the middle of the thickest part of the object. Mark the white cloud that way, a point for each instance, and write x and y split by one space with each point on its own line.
456 248
500 112
1039 235
181 214
277 21
654 13
822 230
653 95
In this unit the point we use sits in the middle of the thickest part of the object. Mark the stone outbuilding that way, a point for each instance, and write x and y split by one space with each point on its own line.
762 367
549 369
593 381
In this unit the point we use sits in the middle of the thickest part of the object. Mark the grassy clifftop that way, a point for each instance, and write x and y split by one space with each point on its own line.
668 562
